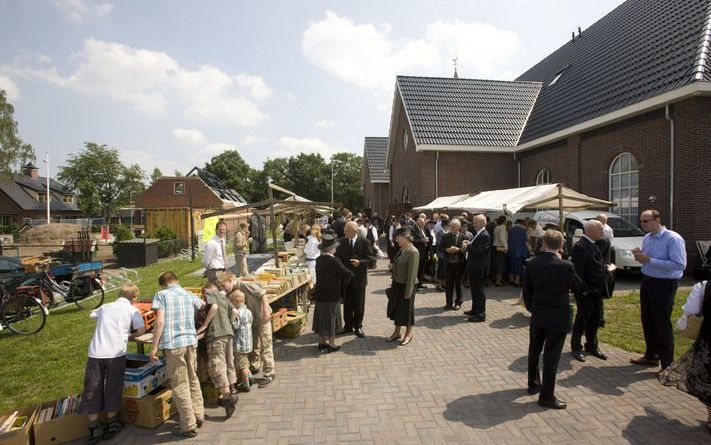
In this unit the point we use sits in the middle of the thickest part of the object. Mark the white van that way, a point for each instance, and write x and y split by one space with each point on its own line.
626 235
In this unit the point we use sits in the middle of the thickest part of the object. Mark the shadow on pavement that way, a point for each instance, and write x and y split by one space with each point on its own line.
515 321
368 346
441 321
488 410
655 427
606 379
521 364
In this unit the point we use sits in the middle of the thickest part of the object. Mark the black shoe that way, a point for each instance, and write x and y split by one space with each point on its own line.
421 286
230 404
333 348
322 347
554 404
112 428
96 434
447 307
476 319
264 382
359 333
181 433
534 389
456 307
199 422
596 353
578 355
469 312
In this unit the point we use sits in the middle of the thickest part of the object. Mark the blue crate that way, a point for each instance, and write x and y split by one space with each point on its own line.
66 269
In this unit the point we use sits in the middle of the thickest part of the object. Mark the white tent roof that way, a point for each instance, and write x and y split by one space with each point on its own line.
443 202
524 198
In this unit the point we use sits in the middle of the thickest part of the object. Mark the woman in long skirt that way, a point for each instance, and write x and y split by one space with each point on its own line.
692 372
332 275
401 302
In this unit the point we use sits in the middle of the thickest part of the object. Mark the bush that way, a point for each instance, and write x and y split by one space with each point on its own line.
164 233
121 233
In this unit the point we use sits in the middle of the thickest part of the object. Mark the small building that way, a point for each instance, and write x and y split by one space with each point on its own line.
167 202
23 198
376 175
621 111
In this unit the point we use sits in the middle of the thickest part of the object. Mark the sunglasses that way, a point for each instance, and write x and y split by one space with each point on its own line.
645 220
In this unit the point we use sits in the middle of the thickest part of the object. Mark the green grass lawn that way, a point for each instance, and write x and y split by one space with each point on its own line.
50 364
623 327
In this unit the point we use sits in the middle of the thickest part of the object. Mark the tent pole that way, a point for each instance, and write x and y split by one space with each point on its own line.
270 195
560 206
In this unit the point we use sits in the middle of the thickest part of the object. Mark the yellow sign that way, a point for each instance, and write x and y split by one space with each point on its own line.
208 228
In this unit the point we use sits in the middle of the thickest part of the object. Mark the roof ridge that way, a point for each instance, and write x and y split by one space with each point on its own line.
459 79
702 60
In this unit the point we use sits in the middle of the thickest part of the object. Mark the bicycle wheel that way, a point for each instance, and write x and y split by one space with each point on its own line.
23 314
92 301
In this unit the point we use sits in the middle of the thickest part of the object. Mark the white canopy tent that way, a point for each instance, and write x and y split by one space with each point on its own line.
443 202
542 197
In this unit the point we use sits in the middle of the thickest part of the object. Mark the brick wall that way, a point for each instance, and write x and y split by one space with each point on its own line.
161 194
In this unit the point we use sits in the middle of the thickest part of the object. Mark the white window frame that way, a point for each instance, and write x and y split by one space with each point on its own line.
180 192
624 187
405 140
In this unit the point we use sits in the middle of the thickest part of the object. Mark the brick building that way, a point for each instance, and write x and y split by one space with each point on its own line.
23 197
622 112
376 175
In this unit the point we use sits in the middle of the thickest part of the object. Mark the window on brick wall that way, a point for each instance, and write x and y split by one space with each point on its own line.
543 176
624 187
405 140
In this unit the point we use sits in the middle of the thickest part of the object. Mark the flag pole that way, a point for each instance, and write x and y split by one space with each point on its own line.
46 161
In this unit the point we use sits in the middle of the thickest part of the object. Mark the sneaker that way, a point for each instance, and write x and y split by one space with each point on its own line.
112 428
96 434
199 422
180 433
243 387
265 381
333 348
322 347
230 404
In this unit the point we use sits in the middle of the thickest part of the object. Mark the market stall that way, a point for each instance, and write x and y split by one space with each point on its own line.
443 202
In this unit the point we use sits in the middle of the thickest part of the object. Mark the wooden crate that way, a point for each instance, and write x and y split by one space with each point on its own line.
279 319
295 325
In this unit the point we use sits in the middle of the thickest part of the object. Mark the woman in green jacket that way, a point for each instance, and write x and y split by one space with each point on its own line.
401 301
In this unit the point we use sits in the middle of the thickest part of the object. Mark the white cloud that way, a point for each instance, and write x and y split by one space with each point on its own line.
290 146
368 56
11 89
324 123
250 140
191 136
79 10
257 86
154 83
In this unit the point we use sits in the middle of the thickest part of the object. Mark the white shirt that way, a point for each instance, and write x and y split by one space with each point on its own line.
311 249
114 322
363 231
212 258
479 232
607 232
434 237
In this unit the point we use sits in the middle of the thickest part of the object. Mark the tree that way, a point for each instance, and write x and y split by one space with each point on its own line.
99 179
177 174
347 171
275 169
156 174
133 178
234 172
310 176
12 150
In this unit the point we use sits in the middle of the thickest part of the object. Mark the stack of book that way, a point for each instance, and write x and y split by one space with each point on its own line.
62 407
12 421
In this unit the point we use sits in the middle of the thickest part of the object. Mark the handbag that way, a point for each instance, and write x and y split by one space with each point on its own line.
693 326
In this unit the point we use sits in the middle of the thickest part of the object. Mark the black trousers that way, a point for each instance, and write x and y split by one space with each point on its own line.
478 297
422 265
551 344
453 282
587 321
656 297
353 307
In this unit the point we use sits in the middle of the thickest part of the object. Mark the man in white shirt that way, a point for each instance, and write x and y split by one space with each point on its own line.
606 230
215 256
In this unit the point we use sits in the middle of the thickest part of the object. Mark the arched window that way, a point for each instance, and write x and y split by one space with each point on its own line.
405 140
624 187
405 195
543 176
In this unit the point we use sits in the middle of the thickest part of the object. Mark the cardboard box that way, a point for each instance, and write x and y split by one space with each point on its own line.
63 429
295 325
150 411
142 376
20 436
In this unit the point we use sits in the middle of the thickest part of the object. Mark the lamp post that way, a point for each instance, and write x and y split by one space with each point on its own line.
46 161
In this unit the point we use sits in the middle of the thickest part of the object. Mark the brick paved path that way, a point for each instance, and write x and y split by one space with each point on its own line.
456 382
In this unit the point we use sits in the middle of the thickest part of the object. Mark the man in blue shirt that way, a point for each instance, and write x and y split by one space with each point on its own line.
663 259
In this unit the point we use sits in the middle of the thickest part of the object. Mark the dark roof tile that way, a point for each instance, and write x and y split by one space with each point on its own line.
375 150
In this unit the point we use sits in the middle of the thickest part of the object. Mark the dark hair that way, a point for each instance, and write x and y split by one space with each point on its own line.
500 220
553 239
404 232
167 277
220 223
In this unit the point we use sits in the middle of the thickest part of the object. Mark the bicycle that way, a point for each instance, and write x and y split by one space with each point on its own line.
85 287
22 311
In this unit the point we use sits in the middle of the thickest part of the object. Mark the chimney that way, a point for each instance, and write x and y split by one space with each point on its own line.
30 170
573 36
456 75
580 32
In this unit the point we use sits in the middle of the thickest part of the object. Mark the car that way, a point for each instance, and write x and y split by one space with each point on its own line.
626 236
11 268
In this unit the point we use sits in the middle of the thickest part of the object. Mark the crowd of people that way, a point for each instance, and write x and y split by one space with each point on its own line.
462 251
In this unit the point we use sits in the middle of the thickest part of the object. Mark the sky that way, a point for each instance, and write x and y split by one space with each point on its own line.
171 83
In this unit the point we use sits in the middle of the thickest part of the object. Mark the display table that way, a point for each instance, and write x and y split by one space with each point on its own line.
147 338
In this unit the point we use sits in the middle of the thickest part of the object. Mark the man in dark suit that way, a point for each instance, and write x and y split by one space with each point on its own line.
545 294
340 222
357 254
478 255
420 241
590 267
452 243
